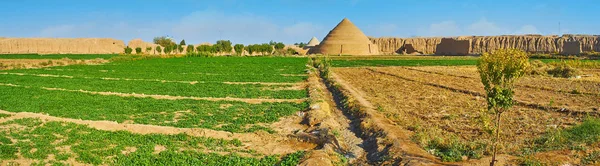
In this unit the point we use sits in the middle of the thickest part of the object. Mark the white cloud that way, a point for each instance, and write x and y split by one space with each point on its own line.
196 27
485 28
527 29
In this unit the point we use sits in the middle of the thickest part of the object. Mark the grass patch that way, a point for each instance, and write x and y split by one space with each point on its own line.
574 138
57 56
91 146
215 69
4 115
237 117
211 89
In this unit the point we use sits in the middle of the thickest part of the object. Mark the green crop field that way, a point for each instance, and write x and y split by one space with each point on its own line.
57 56
232 94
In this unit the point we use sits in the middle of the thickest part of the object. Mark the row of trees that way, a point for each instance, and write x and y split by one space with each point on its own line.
168 46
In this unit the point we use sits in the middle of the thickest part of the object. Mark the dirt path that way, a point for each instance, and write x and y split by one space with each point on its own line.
264 143
328 120
168 97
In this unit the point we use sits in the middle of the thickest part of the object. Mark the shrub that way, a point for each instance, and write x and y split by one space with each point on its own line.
199 54
190 48
148 49
204 48
538 68
180 48
168 49
159 49
563 70
291 51
279 46
499 70
138 50
239 49
223 46
128 50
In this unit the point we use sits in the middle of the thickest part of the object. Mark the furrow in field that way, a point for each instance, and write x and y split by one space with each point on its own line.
264 143
168 97
436 111
536 99
156 80
562 85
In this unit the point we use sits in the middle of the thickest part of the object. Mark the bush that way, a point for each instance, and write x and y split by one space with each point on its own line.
291 51
222 46
205 48
190 48
239 49
148 49
279 46
563 70
128 50
159 49
180 48
199 54
138 50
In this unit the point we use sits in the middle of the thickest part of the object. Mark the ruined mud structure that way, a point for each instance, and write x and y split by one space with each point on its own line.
450 46
345 39
571 48
565 44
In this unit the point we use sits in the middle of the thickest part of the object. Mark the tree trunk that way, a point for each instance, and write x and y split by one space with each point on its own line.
497 140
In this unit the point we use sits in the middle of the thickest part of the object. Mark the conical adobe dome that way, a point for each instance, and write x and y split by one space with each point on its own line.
313 42
346 39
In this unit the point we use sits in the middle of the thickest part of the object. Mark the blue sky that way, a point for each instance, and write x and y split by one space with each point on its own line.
290 21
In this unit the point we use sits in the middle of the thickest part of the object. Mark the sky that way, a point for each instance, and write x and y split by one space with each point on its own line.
292 21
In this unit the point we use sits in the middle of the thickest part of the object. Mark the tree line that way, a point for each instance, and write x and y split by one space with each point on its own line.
167 45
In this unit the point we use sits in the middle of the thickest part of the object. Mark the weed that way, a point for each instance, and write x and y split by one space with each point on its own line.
591 159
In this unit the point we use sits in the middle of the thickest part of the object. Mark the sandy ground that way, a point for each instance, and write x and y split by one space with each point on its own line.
448 100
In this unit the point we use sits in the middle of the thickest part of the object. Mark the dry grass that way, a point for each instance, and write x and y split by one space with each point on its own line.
443 105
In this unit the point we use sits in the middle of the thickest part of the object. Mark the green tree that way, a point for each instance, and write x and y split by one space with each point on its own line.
190 48
499 70
279 46
182 43
223 46
148 49
239 49
128 50
159 49
180 48
138 50
163 41
168 49
204 48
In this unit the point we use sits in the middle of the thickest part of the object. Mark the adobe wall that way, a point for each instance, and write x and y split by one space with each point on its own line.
450 46
480 44
61 46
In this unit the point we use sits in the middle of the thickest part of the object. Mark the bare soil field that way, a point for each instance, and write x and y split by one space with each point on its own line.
442 107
